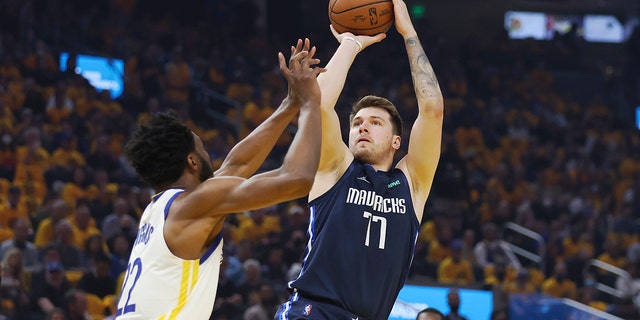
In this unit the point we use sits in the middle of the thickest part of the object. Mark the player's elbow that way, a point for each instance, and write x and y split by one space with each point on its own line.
300 184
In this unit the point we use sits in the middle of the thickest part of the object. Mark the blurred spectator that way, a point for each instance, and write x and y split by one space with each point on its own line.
522 284
41 64
48 289
101 193
13 208
45 233
97 280
266 305
83 223
101 156
177 77
75 305
588 294
22 231
120 249
558 285
630 287
15 284
453 300
252 278
120 221
229 302
258 224
491 248
70 255
95 247
454 269
76 188
59 108
274 269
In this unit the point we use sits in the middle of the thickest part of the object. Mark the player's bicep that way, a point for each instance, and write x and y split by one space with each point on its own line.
423 153
260 191
334 151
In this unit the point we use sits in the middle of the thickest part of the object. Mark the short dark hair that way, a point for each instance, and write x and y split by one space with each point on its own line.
158 149
381 103
431 310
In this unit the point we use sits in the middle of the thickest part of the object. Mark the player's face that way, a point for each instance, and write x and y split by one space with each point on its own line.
371 135
206 171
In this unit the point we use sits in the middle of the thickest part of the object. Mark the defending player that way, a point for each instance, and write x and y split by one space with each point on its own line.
365 212
174 265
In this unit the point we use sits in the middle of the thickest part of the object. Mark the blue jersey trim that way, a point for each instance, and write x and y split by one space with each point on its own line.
166 208
212 248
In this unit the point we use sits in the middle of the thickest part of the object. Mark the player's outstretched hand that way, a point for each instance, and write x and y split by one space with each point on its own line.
365 41
402 21
301 73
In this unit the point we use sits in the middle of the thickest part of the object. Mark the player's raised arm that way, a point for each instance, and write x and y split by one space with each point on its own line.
294 178
335 156
248 155
426 133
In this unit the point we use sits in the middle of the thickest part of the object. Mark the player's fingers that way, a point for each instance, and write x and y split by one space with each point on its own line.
338 35
307 44
284 69
299 46
319 70
296 60
312 52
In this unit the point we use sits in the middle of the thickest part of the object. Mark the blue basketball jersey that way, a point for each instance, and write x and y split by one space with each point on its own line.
362 236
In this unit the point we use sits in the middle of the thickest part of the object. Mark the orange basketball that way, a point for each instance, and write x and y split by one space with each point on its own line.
361 17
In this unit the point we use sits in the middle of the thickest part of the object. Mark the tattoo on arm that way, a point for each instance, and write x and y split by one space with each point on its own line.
424 78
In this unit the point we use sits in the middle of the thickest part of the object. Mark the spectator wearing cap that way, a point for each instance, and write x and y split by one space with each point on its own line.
454 269
295 219
48 288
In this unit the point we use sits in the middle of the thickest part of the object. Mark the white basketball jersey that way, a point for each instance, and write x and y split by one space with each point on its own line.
159 285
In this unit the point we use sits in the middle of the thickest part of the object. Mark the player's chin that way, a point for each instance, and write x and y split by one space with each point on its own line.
362 155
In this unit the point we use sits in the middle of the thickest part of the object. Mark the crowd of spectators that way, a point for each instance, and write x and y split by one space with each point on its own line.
563 163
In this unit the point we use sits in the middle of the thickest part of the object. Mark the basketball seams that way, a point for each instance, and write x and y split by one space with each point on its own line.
335 2
353 15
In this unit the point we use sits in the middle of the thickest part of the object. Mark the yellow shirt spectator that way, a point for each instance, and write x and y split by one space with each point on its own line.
259 226
451 271
559 288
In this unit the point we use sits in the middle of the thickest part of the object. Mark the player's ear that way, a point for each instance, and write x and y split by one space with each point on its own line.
192 162
395 142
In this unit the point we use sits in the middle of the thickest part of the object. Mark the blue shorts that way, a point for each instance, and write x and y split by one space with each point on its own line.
302 308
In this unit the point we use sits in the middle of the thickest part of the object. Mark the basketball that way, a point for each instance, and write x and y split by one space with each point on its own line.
361 17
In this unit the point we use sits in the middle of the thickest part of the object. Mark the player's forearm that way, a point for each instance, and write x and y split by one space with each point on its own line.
424 78
332 82
303 156
249 154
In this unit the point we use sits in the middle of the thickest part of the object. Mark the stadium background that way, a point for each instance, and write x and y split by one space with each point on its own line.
540 141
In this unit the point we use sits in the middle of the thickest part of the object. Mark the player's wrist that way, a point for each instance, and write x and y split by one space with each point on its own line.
352 40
